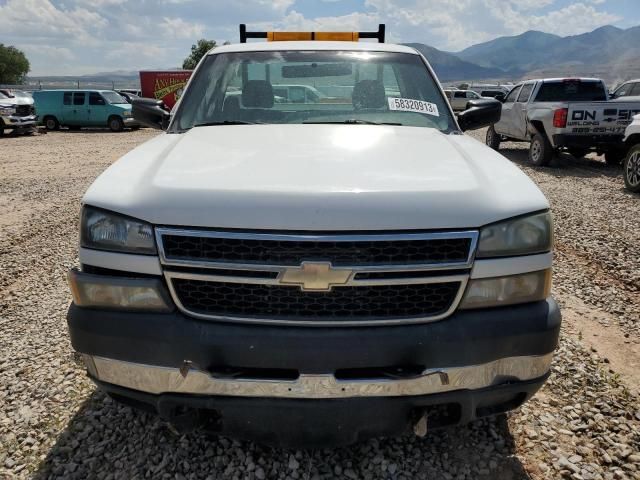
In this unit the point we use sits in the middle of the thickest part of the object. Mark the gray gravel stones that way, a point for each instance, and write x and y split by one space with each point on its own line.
584 424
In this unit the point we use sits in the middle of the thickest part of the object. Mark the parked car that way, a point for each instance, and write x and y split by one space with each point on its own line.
628 89
132 91
315 274
497 94
83 108
571 114
298 93
491 91
631 165
17 114
460 98
128 96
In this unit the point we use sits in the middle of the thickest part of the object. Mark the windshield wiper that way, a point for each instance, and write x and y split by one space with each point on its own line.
226 122
354 121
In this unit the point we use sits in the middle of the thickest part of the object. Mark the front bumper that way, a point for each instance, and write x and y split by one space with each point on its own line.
13 122
361 381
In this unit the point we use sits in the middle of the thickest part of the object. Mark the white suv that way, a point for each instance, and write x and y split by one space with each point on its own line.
315 273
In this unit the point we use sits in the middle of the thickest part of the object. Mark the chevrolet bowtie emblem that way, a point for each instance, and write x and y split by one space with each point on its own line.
315 276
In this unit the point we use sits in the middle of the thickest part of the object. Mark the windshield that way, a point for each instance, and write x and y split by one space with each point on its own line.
113 97
572 91
2 95
313 87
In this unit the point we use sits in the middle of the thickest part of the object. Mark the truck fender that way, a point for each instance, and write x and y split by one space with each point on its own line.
534 127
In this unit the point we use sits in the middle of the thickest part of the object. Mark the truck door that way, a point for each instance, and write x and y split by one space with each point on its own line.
520 111
506 124
459 100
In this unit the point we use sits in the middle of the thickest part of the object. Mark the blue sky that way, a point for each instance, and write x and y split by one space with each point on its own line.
73 37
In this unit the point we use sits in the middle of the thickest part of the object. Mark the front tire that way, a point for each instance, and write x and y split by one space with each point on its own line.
116 124
540 151
631 170
492 139
51 122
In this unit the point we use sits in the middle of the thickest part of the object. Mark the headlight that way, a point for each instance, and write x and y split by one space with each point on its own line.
7 110
501 291
98 291
104 230
519 236
127 113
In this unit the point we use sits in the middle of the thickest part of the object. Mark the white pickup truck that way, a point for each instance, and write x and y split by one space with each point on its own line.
572 114
315 273
631 166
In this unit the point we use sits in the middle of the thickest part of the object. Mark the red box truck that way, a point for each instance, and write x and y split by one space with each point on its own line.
165 85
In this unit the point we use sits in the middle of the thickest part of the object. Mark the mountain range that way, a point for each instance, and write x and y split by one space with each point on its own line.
608 52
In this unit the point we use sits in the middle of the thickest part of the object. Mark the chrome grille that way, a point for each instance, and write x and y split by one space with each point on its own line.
24 110
369 279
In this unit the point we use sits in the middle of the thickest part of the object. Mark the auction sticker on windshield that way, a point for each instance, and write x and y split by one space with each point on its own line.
416 106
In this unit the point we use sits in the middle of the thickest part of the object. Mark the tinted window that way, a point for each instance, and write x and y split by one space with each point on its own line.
321 86
460 94
95 99
525 92
635 91
67 98
572 91
78 98
513 94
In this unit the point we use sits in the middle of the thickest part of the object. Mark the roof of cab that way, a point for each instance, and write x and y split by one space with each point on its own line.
312 45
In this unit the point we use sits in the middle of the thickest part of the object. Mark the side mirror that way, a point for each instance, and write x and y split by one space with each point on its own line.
150 112
480 113
612 95
500 97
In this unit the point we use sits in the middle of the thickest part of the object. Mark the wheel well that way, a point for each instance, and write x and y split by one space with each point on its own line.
537 127
633 140
114 116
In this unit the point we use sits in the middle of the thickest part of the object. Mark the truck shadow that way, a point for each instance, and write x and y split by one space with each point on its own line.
107 440
565 165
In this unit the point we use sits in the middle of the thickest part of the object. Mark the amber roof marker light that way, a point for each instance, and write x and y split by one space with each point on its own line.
309 36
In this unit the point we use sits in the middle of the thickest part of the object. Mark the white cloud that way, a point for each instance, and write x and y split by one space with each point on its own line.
179 28
40 18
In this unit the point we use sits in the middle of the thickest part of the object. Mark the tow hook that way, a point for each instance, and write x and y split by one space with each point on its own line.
420 427
185 367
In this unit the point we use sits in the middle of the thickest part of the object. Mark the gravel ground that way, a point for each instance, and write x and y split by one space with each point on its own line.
584 424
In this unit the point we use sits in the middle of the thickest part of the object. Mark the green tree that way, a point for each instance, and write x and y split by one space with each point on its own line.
198 51
14 65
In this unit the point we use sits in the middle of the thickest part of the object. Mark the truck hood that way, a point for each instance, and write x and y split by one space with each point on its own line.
14 101
315 177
